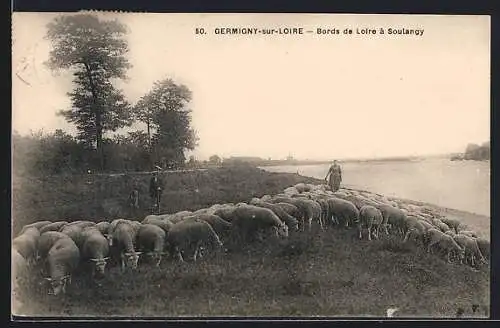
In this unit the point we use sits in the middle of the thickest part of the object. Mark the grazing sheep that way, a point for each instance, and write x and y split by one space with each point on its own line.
63 259
103 227
444 242
409 222
55 226
75 232
290 209
221 226
225 213
289 220
291 191
305 207
249 220
179 216
122 239
323 203
342 211
266 198
426 224
302 187
452 223
151 238
26 244
484 247
19 274
166 225
471 248
46 241
191 235
441 225
95 249
114 223
19 264
369 218
415 231
393 217
38 225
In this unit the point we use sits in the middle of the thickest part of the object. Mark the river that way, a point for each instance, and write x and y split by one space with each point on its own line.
462 185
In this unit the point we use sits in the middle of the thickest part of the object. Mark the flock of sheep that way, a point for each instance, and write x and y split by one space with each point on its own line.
60 248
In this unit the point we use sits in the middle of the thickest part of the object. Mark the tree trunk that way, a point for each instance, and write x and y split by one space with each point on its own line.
149 133
98 118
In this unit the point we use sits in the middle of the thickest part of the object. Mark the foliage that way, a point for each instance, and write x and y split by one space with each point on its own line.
477 152
215 159
83 110
95 51
47 153
168 120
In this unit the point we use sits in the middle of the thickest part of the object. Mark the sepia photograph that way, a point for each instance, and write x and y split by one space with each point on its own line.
250 165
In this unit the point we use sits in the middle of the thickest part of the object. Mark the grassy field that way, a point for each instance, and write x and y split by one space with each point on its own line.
328 273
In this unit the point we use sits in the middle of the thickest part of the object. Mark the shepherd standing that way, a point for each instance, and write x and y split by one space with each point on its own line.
155 190
335 174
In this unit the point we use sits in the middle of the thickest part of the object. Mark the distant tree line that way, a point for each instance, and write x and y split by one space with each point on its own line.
94 50
475 152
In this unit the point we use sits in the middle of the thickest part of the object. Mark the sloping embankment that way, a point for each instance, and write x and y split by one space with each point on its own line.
329 273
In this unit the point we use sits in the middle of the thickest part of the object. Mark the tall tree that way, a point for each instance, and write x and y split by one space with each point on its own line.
168 119
95 51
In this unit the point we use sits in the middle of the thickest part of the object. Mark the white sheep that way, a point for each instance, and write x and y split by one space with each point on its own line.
26 244
151 239
471 248
123 238
191 235
369 218
63 259
55 226
95 249
38 225
444 242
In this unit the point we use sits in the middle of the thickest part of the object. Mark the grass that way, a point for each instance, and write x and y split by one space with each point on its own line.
329 273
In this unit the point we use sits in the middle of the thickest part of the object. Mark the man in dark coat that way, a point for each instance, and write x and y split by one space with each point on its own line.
335 174
155 190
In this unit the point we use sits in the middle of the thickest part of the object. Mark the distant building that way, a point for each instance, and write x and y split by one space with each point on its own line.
243 159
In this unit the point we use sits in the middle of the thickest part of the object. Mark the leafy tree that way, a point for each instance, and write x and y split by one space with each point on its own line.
95 51
215 159
168 120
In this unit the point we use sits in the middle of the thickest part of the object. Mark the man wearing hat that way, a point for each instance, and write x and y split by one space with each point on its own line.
155 189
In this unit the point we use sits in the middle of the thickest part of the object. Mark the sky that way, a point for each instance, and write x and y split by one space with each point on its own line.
310 96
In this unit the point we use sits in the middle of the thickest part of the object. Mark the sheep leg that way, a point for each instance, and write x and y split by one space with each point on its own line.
122 260
321 223
406 236
431 243
360 233
195 254
369 234
448 256
179 255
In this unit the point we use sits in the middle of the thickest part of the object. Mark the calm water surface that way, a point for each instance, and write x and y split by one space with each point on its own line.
462 185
